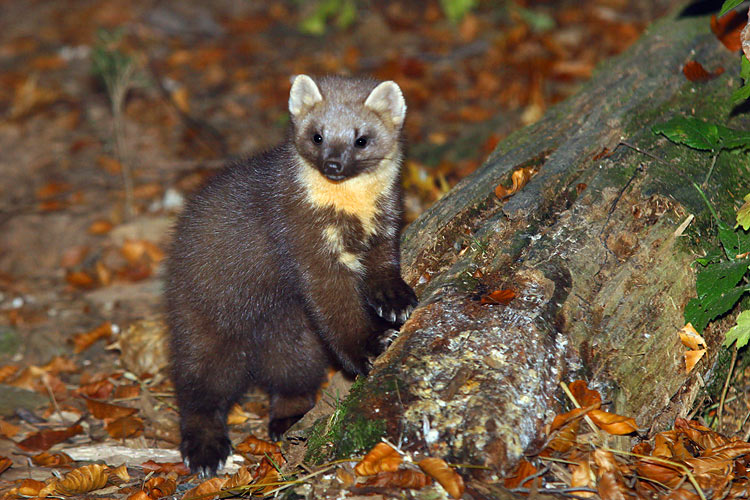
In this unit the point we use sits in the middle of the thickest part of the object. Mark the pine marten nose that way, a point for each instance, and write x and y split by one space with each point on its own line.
332 168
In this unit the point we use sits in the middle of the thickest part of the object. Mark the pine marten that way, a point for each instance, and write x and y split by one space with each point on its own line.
288 261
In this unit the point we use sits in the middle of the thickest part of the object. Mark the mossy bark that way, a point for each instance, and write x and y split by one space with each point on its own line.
595 250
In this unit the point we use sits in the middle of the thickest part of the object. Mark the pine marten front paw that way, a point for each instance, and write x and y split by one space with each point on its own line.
394 301
205 452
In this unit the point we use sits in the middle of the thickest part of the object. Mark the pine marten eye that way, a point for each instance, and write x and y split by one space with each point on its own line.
317 138
361 141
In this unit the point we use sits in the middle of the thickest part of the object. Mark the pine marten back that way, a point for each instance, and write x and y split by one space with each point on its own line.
288 261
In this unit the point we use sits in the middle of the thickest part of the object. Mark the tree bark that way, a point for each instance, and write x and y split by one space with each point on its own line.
597 248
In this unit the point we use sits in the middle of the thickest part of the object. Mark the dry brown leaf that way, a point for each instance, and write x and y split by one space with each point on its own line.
109 164
7 371
102 410
519 178
584 395
7 429
60 364
449 479
692 358
166 467
255 446
158 487
565 437
5 464
82 480
82 341
266 482
237 415
46 459
610 483
100 226
582 476
499 297
690 338
125 427
29 488
139 495
612 423
100 389
242 477
523 470
695 72
381 458
127 391
120 472
727 29
206 490
80 279
43 440
403 478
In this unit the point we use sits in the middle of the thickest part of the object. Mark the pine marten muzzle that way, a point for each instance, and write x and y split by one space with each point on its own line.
288 261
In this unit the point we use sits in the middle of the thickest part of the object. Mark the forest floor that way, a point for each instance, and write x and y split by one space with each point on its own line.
204 82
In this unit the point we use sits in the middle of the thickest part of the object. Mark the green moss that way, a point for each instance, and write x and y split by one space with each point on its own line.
330 439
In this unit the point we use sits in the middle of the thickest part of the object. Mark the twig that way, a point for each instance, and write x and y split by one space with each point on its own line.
658 460
720 412
577 405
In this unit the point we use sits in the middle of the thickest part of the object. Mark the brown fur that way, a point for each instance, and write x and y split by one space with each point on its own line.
288 261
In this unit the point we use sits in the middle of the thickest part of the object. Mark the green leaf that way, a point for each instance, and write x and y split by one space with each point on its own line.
739 333
735 242
745 69
729 5
720 277
712 255
691 132
743 214
731 138
455 10
741 94
700 311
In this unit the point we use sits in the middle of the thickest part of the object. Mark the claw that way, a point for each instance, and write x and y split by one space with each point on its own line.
392 317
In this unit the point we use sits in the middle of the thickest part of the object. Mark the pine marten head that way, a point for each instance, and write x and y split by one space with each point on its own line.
345 127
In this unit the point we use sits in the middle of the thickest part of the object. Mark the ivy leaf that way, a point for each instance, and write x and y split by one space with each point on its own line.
743 214
718 278
700 311
729 5
739 333
691 132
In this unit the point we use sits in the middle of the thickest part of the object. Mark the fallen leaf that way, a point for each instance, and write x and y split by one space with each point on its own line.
5 464
100 226
728 28
582 476
255 446
80 279
449 479
205 490
166 467
695 72
612 423
82 480
7 429
499 297
692 358
125 427
237 415
158 487
240 478
82 341
101 389
45 459
690 338
519 178
381 458
7 371
102 410
43 440
109 164
120 472
523 470
29 488
403 478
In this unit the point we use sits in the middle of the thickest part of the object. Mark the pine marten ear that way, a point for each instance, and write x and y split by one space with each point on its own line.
304 95
387 100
